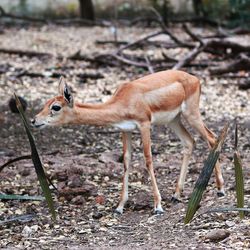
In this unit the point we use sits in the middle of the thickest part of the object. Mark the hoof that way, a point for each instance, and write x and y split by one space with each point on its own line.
220 193
158 212
118 211
174 200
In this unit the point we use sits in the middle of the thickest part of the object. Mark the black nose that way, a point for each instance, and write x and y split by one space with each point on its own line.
33 121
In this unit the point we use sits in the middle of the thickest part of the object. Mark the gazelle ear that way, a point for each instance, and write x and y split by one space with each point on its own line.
65 91
61 85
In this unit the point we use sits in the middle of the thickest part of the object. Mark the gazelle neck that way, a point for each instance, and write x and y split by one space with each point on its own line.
95 114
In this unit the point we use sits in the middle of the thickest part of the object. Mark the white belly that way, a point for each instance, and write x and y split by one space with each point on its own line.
158 118
125 125
164 117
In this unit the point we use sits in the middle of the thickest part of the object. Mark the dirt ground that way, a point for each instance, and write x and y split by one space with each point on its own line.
84 161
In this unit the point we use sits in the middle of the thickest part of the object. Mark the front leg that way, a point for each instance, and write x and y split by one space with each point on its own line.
145 135
126 140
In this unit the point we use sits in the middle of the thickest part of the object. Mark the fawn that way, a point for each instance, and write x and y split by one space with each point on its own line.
159 98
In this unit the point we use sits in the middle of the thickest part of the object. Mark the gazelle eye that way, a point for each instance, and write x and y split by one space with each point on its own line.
56 107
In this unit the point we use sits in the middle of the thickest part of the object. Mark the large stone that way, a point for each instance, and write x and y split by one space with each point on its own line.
217 235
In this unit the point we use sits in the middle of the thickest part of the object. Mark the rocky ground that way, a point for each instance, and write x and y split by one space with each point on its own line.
84 161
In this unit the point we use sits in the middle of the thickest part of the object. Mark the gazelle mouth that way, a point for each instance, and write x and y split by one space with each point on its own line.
39 125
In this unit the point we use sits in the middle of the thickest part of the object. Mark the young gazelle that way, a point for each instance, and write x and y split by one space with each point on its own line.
159 98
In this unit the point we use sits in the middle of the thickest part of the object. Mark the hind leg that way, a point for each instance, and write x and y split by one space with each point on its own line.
126 139
194 119
187 142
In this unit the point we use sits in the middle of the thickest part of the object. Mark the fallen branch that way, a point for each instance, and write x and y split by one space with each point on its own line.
37 74
163 31
190 56
85 76
239 31
191 34
161 44
226 44
111 42
168 59
128 61
212 45
23 157
95 59
243 63
27 53
201 20
26 157
108 59
166 31
150 67
218 47
197 38
131 44
235 31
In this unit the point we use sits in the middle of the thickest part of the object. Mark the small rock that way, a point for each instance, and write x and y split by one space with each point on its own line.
217 235
78 200
75 181
74 171
96 177
61 176
141 201
18 211
108 157
90 189
106 178
230 223
100 199
31 209
27 231
34 228
97 215
61 185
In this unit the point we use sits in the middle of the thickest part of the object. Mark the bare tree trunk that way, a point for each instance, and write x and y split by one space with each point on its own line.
87 9
199 8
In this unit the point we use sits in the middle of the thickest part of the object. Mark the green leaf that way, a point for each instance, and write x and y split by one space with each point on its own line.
36 161
20 197
204 177
238 176
227 209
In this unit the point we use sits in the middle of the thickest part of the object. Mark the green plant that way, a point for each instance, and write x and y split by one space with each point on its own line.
204 177
238 175
36 161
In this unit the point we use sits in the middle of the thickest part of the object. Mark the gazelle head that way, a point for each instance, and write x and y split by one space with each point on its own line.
58 110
